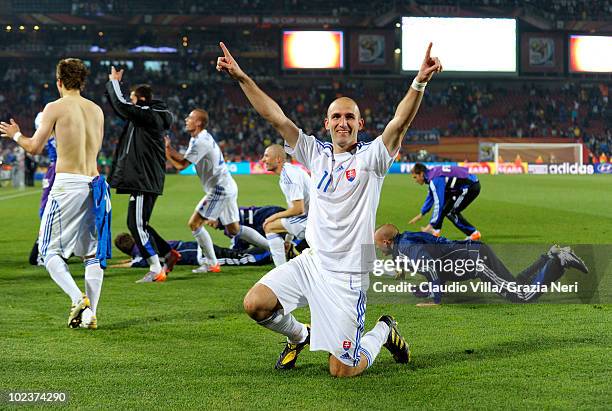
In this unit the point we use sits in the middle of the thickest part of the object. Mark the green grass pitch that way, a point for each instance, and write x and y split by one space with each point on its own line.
186 343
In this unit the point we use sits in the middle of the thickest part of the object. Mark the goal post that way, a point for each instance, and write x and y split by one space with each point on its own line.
538 153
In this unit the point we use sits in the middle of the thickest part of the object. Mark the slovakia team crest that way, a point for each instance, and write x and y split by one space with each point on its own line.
351 174
346 344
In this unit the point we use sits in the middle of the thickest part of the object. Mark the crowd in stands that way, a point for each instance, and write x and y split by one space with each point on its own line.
553 10
450 108
216 7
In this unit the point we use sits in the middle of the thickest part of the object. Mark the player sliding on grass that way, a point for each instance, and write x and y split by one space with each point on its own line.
443 260
220 201
332 277
79 199
451 190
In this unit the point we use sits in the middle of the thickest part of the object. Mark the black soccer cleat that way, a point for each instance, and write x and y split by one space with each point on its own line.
396 344
570 259
288 357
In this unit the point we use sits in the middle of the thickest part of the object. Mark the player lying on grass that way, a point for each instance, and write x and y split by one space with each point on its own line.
295 185
191 254
221 191
451 190
332 276
440 259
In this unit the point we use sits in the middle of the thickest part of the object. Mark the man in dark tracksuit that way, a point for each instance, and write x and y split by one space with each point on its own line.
451 190
138 168
486 265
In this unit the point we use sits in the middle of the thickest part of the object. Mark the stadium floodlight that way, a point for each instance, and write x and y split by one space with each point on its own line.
313 50
534 153
463 44
590 54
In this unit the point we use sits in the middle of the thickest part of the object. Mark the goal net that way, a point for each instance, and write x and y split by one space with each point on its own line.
537 153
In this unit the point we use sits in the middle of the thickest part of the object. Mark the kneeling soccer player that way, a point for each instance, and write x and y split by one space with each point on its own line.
332 276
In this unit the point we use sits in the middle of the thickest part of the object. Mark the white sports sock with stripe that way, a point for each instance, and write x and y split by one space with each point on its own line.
374 340
287 325
93 282
251 236
277 248
154 264
206 244
58 270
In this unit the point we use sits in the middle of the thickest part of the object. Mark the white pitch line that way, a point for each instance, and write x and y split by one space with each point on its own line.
8 197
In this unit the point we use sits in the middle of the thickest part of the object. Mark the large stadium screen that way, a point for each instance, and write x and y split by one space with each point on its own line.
590 54
463 44
313 50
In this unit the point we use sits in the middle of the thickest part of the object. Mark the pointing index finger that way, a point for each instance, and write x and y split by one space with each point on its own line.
428 52
226 52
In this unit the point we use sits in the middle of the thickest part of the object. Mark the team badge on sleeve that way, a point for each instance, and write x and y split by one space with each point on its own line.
351 174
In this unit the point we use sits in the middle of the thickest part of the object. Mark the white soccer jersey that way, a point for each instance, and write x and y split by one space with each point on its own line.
295 185
344 194
204 153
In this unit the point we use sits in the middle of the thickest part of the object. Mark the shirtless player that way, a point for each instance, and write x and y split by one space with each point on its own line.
68 223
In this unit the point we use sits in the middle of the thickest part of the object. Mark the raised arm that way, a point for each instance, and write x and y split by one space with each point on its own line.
35 144
124 109
408 107
261 102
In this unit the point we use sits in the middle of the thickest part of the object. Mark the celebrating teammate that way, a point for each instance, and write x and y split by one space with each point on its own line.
220 201
139 168
332 276
69 222
295 185
451 190
483 263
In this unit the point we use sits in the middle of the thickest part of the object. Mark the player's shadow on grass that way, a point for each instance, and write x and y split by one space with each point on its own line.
494 238
507 349
170 319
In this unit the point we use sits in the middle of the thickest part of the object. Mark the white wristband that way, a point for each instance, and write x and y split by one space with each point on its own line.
418 86
17 136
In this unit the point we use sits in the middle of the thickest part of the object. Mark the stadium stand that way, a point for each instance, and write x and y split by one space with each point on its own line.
575 109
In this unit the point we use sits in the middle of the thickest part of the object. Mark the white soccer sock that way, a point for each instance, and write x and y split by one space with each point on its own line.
206 244
277 248
93 282
372 342
154 264
251 236
287 325
58 270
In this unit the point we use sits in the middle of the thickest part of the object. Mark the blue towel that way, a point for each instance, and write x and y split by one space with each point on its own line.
102 210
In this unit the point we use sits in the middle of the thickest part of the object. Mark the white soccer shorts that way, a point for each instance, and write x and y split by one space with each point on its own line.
337 303
225 208
68 224
295 226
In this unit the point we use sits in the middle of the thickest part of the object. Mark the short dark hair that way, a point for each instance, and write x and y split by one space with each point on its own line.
125 242
143 91
72 73
203 116
419 168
